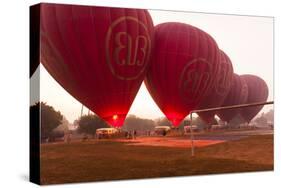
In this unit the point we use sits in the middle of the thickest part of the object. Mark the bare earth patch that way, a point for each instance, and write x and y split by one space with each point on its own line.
100 160
168 142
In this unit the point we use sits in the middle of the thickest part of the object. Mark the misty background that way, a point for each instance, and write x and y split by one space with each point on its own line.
247 40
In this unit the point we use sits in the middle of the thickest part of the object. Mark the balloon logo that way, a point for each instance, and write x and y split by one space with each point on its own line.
97 54
220 90
237 94
129 50
224 77
194 83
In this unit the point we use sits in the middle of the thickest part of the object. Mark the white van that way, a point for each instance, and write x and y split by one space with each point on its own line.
162 130
105 132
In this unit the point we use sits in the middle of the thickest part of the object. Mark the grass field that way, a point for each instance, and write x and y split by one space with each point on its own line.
111 160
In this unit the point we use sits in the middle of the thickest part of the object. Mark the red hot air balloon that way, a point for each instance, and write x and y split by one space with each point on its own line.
237 95
220 90
183 67
99 55
257 92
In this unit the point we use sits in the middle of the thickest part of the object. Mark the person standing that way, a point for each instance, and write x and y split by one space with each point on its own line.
135 134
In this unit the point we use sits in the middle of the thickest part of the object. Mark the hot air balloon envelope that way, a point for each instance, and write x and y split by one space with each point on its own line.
99 55
237 95
183 68
221 88
257 92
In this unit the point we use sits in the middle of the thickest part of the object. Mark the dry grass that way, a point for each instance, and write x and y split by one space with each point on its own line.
108 160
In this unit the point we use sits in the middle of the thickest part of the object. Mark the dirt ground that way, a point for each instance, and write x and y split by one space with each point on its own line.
199 139
150 157
168 142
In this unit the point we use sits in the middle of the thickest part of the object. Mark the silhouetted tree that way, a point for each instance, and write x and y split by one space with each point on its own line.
236 121
50 119
63 127
195 121
269 115
163 122
261 120
90 123
133 122
199 122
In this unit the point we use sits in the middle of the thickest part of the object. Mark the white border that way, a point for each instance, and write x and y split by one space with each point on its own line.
14 58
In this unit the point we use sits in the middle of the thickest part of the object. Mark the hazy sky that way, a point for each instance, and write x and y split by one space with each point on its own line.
248 41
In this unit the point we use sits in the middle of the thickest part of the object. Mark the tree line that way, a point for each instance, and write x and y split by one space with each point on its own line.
54 124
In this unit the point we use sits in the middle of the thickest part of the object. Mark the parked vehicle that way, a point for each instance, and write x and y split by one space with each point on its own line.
106 132
162 130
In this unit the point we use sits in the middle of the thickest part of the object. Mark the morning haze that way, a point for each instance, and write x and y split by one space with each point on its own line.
248 41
